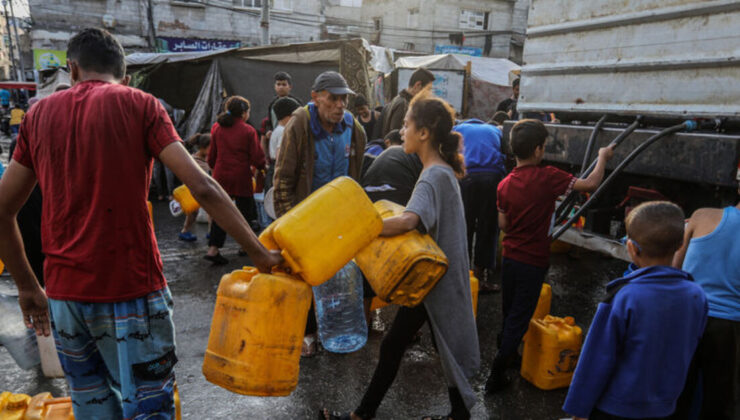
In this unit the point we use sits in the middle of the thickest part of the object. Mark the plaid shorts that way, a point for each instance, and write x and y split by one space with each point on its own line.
118 358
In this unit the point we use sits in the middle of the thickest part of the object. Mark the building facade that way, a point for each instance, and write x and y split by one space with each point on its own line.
493 28
173 25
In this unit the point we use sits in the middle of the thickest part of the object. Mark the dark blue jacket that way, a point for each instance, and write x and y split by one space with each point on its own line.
482 147
638 350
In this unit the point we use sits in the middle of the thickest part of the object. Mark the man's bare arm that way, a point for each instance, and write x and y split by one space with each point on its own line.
218 204
15 188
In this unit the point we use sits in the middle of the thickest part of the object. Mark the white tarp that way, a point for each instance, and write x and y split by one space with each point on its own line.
495 71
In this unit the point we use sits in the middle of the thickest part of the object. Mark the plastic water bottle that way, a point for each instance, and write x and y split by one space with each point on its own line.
14 336
339 311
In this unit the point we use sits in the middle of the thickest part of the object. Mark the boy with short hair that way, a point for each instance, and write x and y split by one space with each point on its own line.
639 347
284 108
526 202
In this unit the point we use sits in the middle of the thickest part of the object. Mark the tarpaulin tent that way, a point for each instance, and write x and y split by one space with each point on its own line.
490 78
199 82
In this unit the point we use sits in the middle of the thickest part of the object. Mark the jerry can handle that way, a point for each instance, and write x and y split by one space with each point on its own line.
292 264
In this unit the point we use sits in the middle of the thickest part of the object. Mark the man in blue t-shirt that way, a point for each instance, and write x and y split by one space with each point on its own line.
484 166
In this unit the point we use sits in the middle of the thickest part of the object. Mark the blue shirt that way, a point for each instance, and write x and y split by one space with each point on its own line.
638 350
4 97
332 150
482 147
714 261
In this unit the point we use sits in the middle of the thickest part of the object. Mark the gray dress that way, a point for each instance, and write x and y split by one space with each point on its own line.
437 201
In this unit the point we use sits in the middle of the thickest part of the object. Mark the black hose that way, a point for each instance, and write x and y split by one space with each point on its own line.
686 125
567 204
591 141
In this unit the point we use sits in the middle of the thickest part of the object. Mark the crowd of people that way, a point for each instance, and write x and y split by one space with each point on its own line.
669 327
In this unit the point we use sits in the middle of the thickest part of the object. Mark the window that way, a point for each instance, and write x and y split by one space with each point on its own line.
282 4
473 19
378 24
409 46
413 19
248 3
350 3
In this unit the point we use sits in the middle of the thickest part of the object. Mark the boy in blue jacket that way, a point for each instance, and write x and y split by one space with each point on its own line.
637 353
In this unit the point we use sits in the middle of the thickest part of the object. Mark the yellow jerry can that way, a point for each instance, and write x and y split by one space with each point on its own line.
36 406
178 407
2 266
58 409
560 247
551 352
401 269
187 202
151 213
254 347
474 288
4 399
15 407
543 306
323 233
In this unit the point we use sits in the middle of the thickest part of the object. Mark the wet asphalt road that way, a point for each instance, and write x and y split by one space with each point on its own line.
334 380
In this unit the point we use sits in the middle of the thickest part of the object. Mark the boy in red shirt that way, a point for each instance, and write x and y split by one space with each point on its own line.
110 307
526 202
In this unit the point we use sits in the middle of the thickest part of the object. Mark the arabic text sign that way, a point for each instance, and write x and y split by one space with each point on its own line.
49 59
456 49
166 44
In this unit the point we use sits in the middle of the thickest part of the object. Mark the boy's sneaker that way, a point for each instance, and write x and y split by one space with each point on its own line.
187 237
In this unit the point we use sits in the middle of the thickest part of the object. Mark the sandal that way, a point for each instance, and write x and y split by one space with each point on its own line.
325 414
310 346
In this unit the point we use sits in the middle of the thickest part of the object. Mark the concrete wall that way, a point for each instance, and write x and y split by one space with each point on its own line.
434 21
56 20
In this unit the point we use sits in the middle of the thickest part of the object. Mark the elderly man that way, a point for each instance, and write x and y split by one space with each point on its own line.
321 142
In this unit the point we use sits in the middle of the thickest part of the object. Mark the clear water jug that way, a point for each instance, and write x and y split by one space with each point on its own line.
19 340
339 311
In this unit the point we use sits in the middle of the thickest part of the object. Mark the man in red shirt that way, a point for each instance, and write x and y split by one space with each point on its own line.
526 201
110 307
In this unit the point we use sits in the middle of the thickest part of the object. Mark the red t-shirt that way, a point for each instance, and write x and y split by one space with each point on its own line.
527 197
91 148
234 150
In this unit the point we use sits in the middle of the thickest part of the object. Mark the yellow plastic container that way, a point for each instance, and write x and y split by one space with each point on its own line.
151 213
543 306
256 334
404 268
36 406
58 409
15 407
551 352
185 198
474 288
178 408
4 399
323 233
560 247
